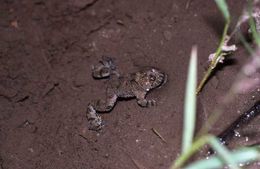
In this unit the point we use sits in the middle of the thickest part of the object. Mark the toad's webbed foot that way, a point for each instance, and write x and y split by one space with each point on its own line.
104 68
146 103
142 101
95 121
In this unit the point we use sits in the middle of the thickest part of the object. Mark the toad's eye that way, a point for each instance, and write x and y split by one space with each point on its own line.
152 78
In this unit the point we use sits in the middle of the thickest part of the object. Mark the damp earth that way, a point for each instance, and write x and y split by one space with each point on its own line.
47 48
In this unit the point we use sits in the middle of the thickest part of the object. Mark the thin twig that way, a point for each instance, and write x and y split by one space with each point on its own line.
159 135
137 164
84 137
188 4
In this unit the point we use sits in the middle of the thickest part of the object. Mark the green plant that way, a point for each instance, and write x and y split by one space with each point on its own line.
253 26
190 102
190 146
219 54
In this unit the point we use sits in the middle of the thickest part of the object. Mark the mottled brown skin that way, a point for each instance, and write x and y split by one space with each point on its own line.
135 85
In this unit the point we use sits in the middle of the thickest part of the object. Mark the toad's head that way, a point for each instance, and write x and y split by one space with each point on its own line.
150 78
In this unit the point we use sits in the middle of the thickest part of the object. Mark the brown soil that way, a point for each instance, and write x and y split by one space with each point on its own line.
47 48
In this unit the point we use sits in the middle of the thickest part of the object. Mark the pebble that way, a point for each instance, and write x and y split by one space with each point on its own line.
167 35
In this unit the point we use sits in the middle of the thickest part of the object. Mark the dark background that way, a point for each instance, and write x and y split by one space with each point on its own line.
47 48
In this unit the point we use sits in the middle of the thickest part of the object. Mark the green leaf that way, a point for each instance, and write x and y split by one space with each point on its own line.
197 144
222 5
242 155
190 102
223 152
253 26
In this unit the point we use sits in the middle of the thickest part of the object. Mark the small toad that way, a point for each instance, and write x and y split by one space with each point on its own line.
134 85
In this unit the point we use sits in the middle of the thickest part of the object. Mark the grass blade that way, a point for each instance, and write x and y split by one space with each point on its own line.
223 152
253 25
242 155
194 148
222 5
190 102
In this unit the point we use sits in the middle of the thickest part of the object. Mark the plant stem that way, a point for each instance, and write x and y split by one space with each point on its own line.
203 81
215 60
194 147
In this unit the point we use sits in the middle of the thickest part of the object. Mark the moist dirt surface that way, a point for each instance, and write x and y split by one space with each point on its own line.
47 48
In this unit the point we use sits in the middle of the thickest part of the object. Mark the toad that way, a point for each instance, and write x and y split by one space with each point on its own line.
134 85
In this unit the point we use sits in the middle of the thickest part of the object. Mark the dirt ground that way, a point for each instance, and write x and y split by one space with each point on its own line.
47 48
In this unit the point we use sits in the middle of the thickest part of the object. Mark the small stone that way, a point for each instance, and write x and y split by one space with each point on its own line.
120 22
106 155
14 24
167 35
31 150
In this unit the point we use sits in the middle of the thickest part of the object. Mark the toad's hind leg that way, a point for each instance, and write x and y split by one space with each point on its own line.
106 105
95 121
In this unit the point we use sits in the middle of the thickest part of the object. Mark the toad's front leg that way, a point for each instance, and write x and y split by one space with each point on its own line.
104 68
142 101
